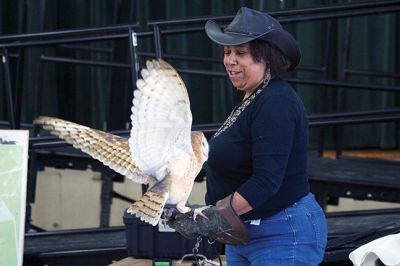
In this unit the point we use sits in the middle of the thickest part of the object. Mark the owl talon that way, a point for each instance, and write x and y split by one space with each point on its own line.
182 208
199 211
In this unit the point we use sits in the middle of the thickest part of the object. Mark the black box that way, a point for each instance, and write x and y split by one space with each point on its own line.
146 241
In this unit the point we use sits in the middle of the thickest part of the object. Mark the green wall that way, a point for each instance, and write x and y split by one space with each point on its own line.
101 97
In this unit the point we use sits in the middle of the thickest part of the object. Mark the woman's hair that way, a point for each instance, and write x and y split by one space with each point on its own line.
263 51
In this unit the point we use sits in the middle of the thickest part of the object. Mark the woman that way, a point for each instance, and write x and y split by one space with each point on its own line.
257 162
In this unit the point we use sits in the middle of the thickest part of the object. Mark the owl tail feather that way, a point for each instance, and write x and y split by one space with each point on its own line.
150 206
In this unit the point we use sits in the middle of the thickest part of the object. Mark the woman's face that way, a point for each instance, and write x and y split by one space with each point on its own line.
244 72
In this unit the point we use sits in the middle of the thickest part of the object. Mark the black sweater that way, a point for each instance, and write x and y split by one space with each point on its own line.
263 154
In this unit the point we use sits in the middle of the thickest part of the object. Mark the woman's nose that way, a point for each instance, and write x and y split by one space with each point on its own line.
231 59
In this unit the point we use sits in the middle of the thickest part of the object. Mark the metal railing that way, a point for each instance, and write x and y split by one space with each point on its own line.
166 28
9 42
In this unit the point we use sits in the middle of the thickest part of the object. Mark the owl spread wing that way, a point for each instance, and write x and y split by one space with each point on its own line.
160 143
161 119
109 149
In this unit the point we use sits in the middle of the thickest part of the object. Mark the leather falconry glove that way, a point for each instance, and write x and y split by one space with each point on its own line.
219 223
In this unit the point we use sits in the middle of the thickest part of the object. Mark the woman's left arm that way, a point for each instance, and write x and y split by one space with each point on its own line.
240 204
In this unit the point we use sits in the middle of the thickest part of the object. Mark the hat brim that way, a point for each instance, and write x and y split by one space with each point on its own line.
285 42
215 33
282 39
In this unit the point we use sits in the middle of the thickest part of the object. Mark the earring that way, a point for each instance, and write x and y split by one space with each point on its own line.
267 78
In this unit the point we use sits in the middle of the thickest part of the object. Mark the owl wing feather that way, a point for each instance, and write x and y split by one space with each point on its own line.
159 144
109 149
161 119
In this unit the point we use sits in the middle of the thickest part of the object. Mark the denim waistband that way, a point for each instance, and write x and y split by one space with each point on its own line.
308 199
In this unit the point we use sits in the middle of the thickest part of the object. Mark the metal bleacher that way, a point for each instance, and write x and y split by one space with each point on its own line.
363 179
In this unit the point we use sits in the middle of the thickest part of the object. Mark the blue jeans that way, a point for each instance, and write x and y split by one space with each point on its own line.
295 236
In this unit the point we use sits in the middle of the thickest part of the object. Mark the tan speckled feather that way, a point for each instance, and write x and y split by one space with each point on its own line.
109 149
161 149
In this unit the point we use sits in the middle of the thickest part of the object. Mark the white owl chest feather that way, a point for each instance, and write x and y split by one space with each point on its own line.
181 173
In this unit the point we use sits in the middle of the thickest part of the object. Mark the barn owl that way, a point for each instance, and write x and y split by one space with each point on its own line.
161 150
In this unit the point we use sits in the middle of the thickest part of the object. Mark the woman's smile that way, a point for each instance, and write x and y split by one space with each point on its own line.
245 73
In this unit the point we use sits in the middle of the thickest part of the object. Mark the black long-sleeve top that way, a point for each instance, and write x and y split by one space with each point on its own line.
263 154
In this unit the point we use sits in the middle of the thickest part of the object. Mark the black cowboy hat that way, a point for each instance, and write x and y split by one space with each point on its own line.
250 24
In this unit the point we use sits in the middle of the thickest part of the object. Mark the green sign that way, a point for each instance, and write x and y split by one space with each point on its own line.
13 175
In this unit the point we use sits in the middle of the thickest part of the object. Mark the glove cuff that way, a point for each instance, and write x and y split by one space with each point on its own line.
237 234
